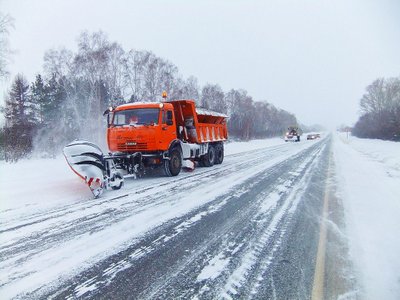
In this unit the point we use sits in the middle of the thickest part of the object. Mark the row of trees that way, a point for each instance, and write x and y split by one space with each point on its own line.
67 101
380 107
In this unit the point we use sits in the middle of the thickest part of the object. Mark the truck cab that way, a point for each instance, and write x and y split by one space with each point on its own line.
144 127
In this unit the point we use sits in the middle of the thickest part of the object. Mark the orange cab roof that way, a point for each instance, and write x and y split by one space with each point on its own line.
139 105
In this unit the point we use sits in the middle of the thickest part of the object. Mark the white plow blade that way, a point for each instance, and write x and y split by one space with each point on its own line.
86 160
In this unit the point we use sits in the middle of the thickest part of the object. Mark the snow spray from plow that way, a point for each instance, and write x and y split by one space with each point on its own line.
89 163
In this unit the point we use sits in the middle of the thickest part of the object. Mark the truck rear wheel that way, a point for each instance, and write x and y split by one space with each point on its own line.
219 154
209 157
173 165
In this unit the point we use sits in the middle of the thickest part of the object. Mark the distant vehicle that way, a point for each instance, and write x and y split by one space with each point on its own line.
293 134
313 136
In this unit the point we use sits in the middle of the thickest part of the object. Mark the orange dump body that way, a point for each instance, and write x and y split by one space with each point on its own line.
199 125
152 127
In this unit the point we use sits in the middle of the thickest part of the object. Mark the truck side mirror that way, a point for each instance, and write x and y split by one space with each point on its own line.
109 118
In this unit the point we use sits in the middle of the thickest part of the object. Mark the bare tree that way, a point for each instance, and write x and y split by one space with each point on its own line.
6 22
115 76
392 93
373 101
159 75
135 63
186 89
380 107
147 76
241 112
59 63
191 89
213 97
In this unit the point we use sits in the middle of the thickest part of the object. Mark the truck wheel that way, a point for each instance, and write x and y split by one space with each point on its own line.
219 154
209 157
173 165
118 178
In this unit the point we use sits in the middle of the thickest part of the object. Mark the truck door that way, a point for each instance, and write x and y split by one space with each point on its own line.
168 129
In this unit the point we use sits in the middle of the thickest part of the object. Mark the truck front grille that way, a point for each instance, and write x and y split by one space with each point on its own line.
137 147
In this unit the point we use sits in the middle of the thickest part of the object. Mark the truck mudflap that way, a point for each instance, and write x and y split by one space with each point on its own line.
88 162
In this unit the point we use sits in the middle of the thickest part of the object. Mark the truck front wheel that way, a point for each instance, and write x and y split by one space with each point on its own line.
173 165
118 181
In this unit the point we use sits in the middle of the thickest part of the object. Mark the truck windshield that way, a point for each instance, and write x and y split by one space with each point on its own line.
138 116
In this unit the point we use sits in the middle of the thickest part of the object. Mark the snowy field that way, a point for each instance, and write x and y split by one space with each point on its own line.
367 171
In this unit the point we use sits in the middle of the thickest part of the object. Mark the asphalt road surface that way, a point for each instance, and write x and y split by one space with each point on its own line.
246 229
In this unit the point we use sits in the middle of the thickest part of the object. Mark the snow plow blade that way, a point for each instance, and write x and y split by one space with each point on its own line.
87 161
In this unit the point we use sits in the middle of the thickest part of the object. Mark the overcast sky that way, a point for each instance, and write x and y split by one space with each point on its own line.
313 58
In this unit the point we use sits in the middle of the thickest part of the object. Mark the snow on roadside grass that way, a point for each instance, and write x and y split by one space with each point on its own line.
369 181
39 182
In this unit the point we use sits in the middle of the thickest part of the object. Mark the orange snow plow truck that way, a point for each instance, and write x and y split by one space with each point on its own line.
142 135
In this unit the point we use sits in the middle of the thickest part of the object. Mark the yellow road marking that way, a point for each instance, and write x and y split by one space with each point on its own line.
319 273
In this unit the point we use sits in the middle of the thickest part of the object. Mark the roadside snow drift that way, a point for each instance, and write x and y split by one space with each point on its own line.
368 172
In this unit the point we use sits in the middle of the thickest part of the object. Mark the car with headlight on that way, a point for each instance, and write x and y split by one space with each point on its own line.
313 136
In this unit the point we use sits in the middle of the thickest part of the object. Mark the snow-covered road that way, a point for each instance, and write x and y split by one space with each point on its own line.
211 232
248 228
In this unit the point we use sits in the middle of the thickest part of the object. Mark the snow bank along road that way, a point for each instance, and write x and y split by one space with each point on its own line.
248 228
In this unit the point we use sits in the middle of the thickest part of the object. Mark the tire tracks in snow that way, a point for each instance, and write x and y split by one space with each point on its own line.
52 229
44 225
251 252
243 247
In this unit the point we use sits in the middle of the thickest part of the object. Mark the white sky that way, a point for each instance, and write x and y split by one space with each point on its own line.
311 57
